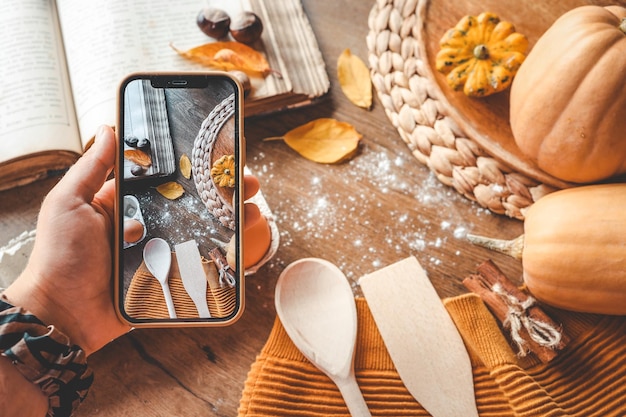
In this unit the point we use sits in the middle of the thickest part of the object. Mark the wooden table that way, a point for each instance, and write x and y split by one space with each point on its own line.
376 209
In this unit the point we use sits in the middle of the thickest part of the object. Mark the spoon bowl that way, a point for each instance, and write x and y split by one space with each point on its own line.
315 304
158 258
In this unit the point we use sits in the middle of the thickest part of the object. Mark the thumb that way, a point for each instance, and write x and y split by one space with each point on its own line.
88 174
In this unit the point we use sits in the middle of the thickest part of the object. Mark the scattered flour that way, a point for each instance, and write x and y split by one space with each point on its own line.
198 223
339 220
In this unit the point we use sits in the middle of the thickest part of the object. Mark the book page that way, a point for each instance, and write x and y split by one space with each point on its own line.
37 110
106 40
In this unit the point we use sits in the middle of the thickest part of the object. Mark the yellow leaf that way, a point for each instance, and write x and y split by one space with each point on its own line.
171 190
354 79
138 157
228 55
185 166
326 141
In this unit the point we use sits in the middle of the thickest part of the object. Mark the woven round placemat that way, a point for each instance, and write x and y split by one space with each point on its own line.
201 162
416 107
215 202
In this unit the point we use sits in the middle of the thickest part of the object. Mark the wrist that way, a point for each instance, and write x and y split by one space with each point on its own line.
26 293
44 356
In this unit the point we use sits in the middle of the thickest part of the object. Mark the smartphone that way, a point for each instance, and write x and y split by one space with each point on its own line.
179 208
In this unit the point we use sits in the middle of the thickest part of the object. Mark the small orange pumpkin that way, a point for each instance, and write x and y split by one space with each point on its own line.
568 99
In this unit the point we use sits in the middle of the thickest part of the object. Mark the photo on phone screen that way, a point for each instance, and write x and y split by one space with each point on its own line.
179 177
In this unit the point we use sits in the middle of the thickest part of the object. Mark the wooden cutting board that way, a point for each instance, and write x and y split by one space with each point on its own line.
486 120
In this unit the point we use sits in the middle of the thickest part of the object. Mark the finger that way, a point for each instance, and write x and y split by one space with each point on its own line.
86 177
251 186
105 198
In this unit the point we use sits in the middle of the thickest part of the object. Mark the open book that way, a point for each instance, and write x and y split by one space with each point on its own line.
62 62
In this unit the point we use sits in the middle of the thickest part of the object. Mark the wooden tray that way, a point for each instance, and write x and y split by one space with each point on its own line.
467 142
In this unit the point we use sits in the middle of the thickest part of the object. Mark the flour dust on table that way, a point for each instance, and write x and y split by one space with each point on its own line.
334 216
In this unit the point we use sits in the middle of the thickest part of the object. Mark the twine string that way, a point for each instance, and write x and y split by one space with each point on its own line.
517 318
225 276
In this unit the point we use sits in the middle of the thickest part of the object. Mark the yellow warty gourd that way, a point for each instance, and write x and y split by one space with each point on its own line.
481 55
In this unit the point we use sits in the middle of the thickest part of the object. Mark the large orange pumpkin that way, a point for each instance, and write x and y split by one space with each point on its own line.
573 249
568 100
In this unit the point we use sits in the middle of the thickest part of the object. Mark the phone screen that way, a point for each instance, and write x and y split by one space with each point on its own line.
179 194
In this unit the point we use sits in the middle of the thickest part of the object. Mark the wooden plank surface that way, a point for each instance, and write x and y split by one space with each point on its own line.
370 212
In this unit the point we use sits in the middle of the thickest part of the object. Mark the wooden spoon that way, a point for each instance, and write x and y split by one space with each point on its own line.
316 306
157 256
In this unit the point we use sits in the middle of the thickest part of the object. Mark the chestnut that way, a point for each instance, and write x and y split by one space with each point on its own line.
213 22
131 140
246 28
137 170
143 143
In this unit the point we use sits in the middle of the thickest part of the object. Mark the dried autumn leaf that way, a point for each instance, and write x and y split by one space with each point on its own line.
171 190
228 56
138 157
354 79
185 166
326 141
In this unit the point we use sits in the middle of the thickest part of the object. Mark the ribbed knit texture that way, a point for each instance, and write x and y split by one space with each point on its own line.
145 298
587 379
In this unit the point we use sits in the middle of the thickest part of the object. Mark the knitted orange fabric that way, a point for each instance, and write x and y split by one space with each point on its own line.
586 379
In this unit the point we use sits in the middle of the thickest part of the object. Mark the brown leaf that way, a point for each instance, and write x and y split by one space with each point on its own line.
228 55
138 157
326 141
185 166
354 79
171 190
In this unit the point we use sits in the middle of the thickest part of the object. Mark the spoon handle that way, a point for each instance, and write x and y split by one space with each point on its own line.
352 396
168 300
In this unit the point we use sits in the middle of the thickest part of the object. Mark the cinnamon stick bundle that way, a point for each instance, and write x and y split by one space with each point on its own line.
226 276
531 328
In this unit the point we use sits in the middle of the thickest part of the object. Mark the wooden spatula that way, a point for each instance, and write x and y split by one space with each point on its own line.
422 340
193 276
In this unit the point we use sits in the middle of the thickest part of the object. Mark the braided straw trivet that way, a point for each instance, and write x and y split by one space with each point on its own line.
417 108
201 162
207 190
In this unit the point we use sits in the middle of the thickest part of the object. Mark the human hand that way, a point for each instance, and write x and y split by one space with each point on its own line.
251 186
67 281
